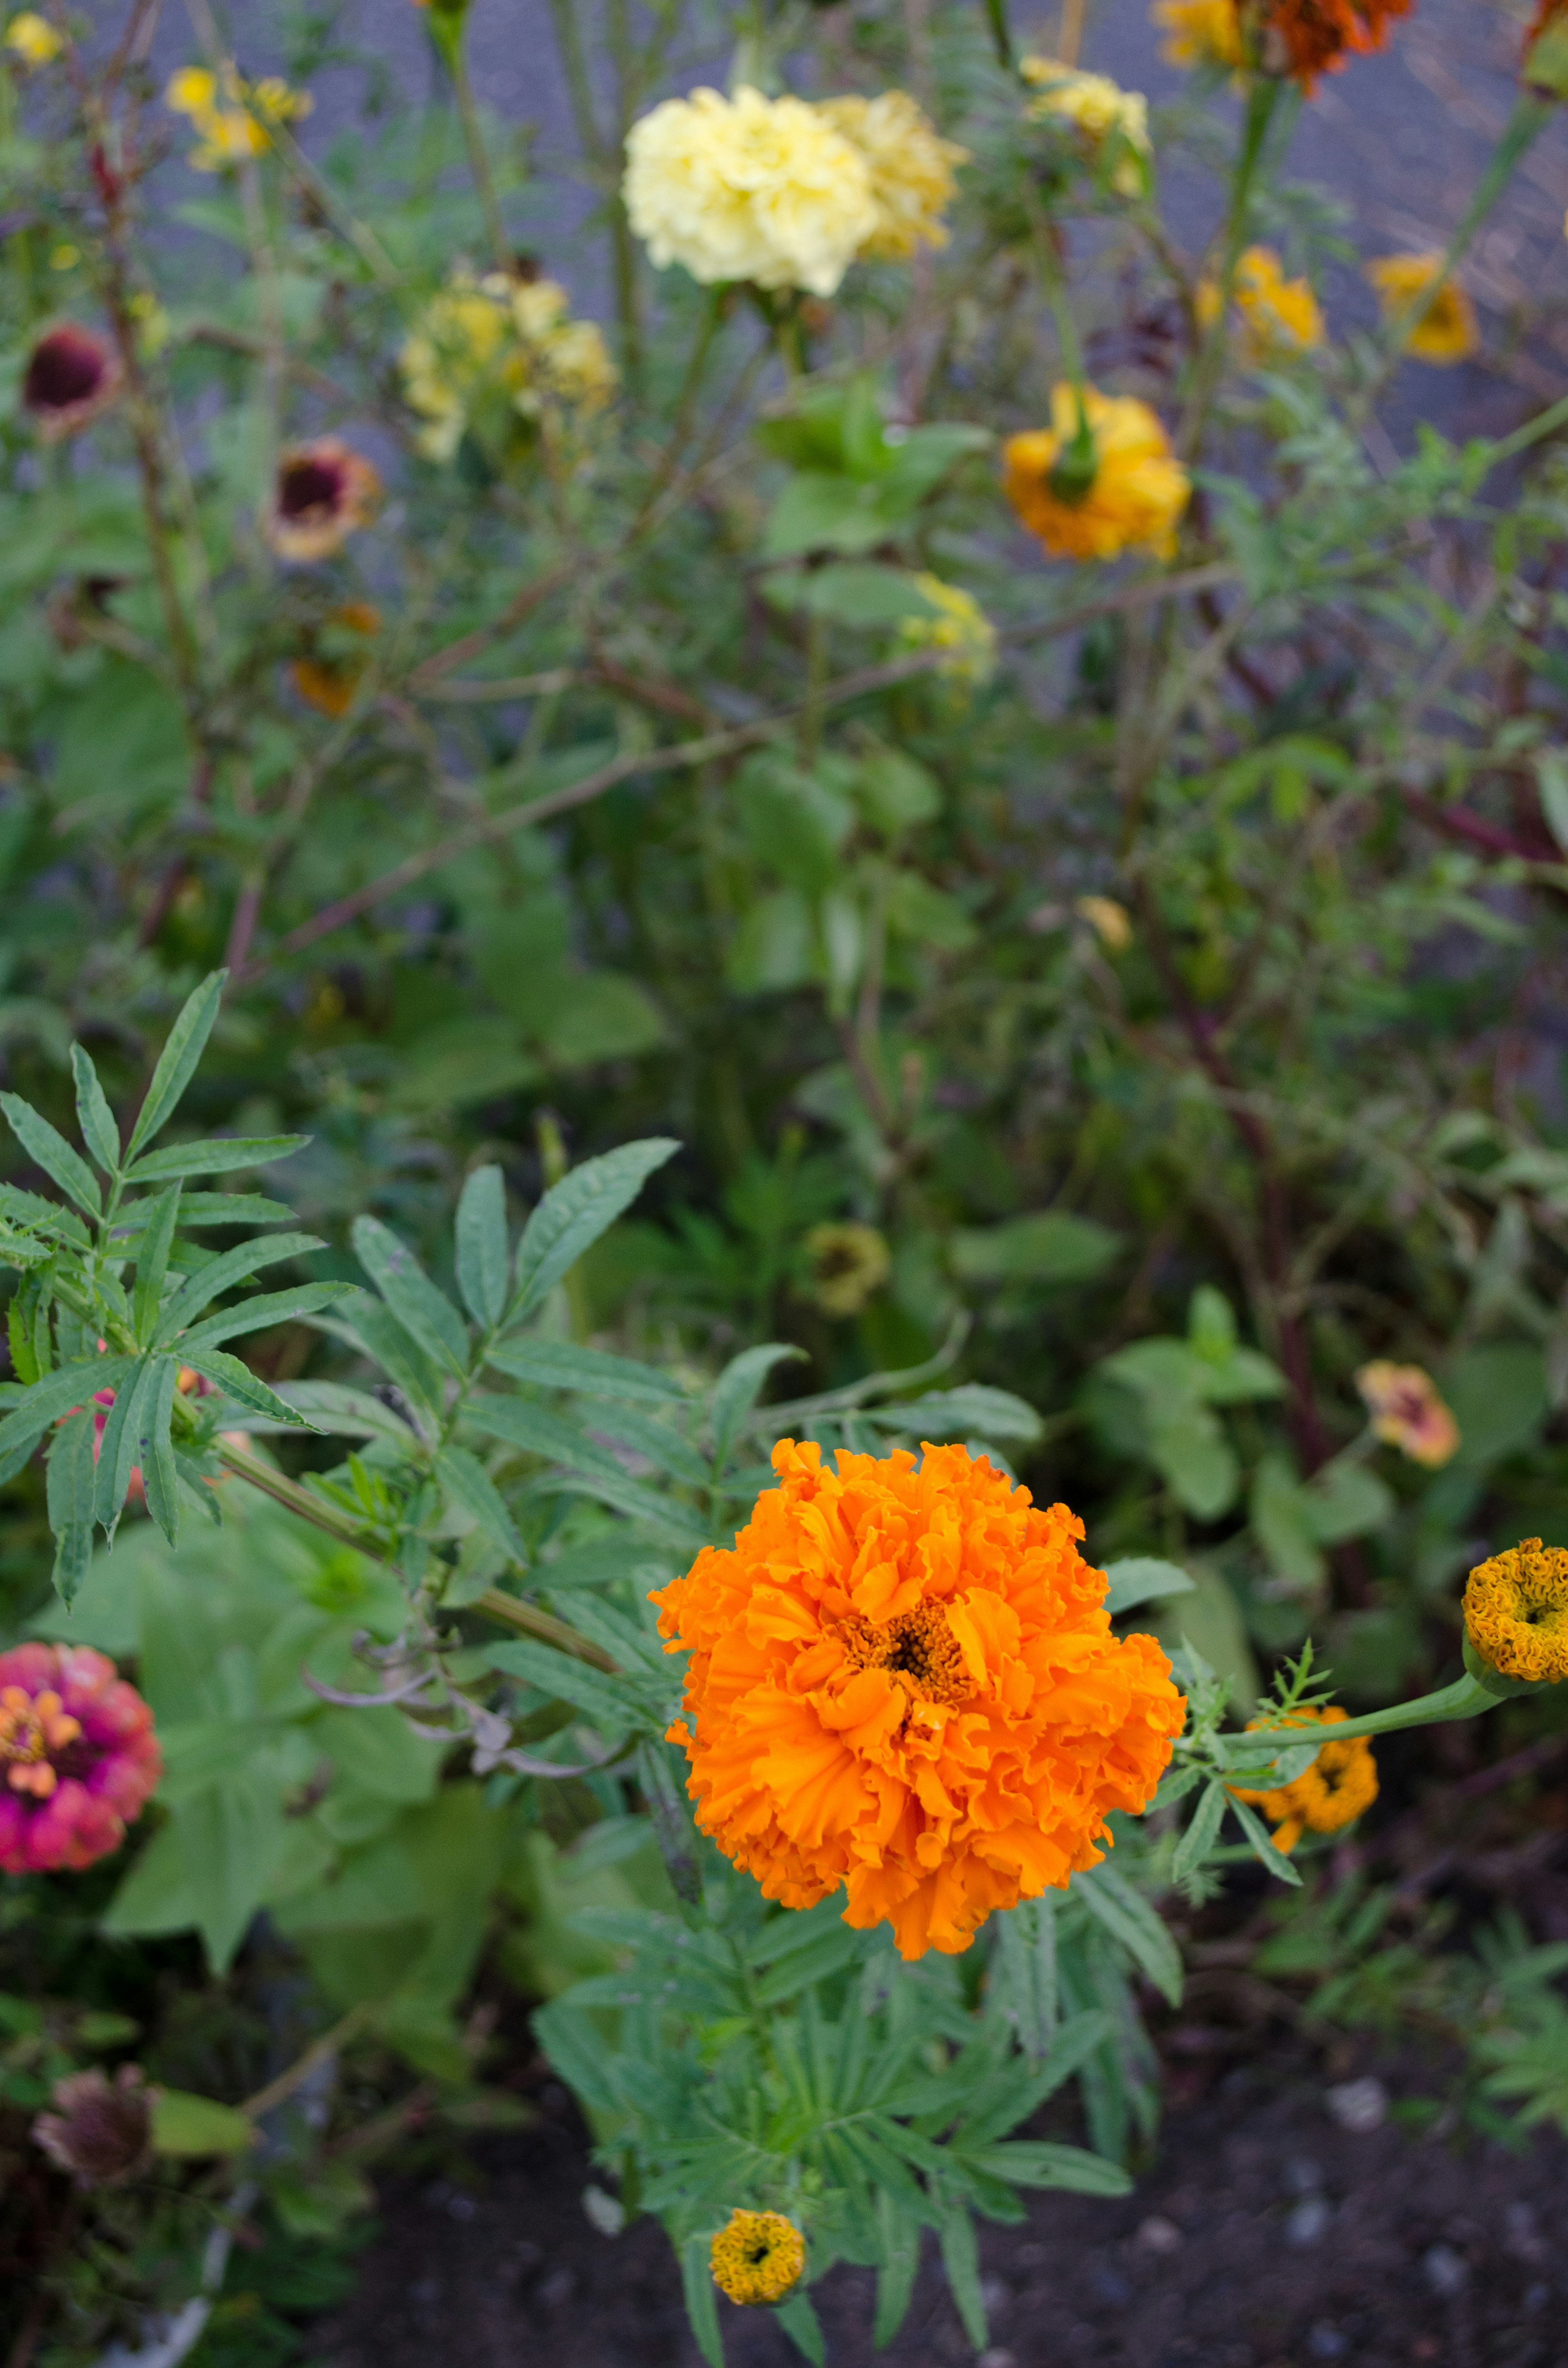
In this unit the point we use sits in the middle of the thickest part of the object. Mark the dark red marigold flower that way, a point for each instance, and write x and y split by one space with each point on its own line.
1303 39
101 2131
324 492
72 376
78 1757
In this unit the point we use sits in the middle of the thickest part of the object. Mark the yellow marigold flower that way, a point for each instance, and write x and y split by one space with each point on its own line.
1448 331
960 626
1515 1612
1110 922
193 91
498 354
1277 311
1098 108
1341 1782
273 97
1200 32
903 1680
911 167
1129 496
1407 1411
33 38
849 1262
765 189
758 2258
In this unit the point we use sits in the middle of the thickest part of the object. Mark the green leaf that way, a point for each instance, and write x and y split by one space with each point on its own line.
702 2299
152 1263
57 1393
216 1158
1345 1499
1201 1832
576 1211
468 1485
737 1389
972 1410
960 2258
603 1699
388 1343
1143 1579
94 1115
1263 1843
559 1365
1052 1248
177 1063
159 1472
243 1385
73 1478
1127 1915
237 1265
1024 2162
53 1154
483 1258
535 1431
187 2124
121 1444
422 1310
268 1307
800 2324
899 2231
207 1209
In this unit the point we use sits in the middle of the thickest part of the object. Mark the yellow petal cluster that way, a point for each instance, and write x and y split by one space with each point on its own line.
232 115
1341 1782
1447 330
1101 110
911 167
757 2258
1138 493
1515 1612
849 1264
504 346
960 626
1200 32
33 38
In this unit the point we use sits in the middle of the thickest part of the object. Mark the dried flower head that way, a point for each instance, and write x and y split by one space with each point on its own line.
1107 118
1515 1612
1332 1794
849 1262
749 188
500 356
903 1679
911 167
78 1757
1280 315
71 379
1448 331
958 625
1407 1411
328 678
1121 488
758 2256
1302 38
100 2131
1200 32
323 493
33 38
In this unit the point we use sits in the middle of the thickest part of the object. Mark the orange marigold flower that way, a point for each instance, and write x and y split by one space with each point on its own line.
1515 1612
1407 1411
328 678
757 2258
903 1679
1302 39
1340 1784
1121 488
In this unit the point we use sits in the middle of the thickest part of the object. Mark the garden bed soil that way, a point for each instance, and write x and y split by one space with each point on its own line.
1267 2233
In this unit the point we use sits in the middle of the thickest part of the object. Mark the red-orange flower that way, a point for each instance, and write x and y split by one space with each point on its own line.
1305 38
903 1679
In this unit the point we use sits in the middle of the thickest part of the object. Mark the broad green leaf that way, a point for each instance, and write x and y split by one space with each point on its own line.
1143 1579
1201 1832
53 1154
244 1386
1053 1247
233 1266
94 1115
408 1291
702 2299
177 1063
1345 1499
73 1478
603 1699
470 1485
560 1365
219 1156
152 1262
268 1307
574 1214
737 1389
187 2124
1127 1915
483 1259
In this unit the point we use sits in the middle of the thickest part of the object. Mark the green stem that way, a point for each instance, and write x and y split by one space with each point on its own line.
1263 99
1466 1698
479 160
1001 33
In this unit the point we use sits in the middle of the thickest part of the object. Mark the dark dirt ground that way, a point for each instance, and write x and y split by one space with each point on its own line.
1265 2234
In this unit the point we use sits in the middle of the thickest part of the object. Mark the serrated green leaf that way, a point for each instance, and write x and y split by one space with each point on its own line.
422 1310
159 1478
591 1372
483 1258
266 1309
899 2232
377 1333
800 2324
220 1155
974 1410
737 1389
43 1144
1127 1915
1024 2162
572 1215
57 1393
1202 1828
177 1063
1270 1856
243 1385
152 1263
219 1273
470 1485
207 1209
94 1115
960 2258
702 2299
603 1699
122 1439
72 1484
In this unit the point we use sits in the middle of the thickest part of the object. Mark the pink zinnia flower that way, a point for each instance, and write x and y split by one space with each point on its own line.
72 376
78 1757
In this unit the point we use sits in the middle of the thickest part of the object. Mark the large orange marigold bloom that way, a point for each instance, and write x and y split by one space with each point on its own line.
1305 38
903 1679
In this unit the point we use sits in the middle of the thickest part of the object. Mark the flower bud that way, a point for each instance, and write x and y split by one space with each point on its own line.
101 2131
758 2258
1516 1616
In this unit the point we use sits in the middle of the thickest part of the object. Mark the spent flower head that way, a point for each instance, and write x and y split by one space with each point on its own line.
72 378
101 2129
322 492
850 1263
1302 39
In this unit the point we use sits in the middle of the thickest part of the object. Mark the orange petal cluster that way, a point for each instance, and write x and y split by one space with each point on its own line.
903 1680
1305 38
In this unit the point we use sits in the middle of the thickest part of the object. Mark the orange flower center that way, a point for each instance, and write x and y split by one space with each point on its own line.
31 1726
918 1647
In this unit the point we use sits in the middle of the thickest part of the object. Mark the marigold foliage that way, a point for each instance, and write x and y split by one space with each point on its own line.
78 1757
1515 1612
758 2256
1139 489
1448 331
1332 1794
1407 1411
903 1680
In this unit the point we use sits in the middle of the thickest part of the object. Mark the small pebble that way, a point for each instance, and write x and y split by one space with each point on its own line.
1359 2106
605 2212
1524 2239
1302 2176
995 2293
1159 2235
1325 2343
1308 2221
461 2207
1446 2271
998 2357
559 2288
1110 2285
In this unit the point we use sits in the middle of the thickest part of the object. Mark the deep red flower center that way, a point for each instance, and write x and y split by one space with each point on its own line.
65 368
309 485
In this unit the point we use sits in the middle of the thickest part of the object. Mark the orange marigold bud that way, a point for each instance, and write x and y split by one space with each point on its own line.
1515 1612
903 1680
758 2256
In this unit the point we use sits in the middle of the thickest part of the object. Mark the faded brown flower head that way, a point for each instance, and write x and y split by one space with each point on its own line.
324 492
101 2131
848 1263
71 377
327 677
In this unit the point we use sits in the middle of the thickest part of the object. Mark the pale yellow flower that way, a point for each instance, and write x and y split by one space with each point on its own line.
911 167
232 115
1101 110
960 626
192 91
1110 922
749 188
1132 496
501 351
1200 32
1280 314
33 38
1448 331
